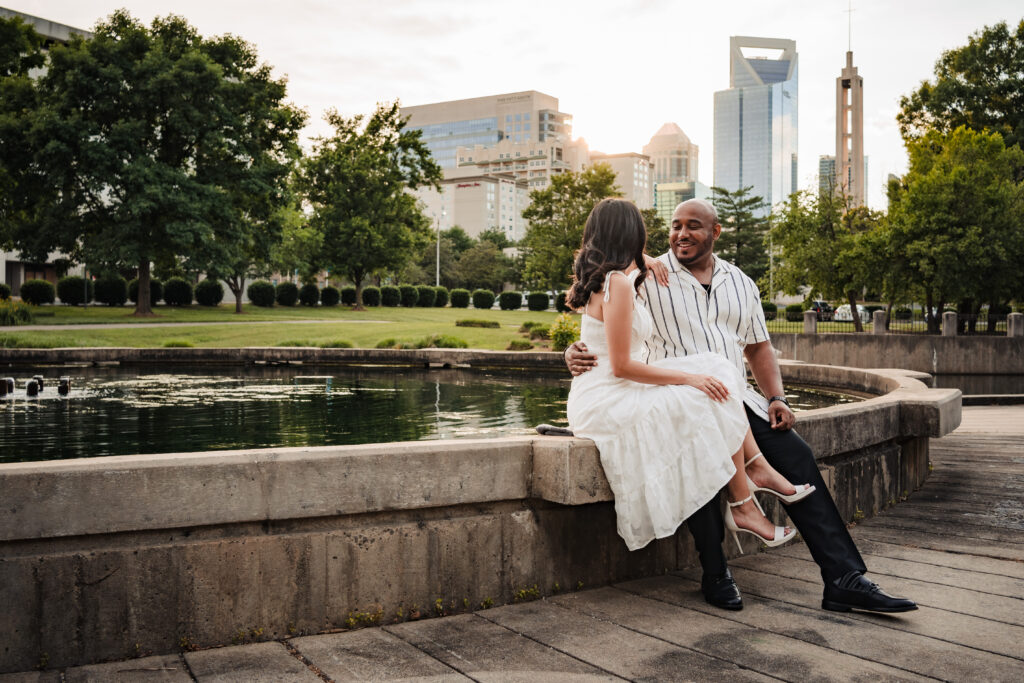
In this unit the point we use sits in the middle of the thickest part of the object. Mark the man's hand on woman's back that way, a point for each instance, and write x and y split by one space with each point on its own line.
578 359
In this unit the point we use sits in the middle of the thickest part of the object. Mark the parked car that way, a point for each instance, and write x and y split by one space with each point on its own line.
844 315
823 309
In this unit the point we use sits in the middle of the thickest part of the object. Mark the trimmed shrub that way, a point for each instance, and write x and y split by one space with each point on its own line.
474 322
441 341
348 295
771 311
564 332
260 293
409 295
111 290
440 297
519 345
560 305
340 344
540 332
178 292
371 296
209 292
460 298
309 295
529 325
537 301
14 312
37 292
794 313
286 294
5 291
425 296
329 296
510 301
902 313
483 299
389 296
872 308
73 290
389 343
156 290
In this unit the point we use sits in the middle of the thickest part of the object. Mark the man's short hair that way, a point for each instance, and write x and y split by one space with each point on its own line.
707 206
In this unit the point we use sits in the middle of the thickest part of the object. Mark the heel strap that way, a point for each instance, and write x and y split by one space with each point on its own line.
740 502
753 459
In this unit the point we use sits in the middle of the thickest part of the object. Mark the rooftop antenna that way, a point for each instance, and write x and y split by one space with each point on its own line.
849 26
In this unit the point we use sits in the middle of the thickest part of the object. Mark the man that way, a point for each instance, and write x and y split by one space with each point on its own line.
700 303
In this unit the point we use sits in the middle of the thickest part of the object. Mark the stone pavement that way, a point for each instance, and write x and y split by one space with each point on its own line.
955 546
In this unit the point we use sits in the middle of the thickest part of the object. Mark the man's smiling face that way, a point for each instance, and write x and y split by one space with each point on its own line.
693 233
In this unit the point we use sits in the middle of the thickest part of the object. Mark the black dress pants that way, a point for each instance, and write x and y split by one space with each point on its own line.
816 516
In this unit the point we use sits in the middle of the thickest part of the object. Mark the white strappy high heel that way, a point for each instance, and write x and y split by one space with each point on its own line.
730 523
802 490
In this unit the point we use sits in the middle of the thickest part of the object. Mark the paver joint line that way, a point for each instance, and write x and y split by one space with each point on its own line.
431 655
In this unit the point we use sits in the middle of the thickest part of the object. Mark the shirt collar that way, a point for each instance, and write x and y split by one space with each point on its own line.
681 271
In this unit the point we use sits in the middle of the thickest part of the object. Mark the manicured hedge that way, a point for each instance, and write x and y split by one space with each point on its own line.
771 311
111 290
794 313
329 296
309 295
74 290
560 305
510 301
537 301
371 296
348 295
902 313
261 293
178 292
389 296
38 292
460 298
209 292
440 297
425 296
5 291
286 294
156 291
409 295
483 298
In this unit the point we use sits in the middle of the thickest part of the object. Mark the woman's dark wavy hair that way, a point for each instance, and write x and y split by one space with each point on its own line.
613 239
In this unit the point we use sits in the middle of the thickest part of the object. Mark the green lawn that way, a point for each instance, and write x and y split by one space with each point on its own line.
363 329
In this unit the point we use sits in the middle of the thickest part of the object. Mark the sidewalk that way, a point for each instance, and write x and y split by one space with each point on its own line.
956 547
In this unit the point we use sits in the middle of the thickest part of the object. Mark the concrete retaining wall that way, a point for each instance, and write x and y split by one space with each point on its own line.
110 557
977 355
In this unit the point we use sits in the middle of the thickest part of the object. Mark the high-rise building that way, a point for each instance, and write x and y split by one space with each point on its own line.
826 173
667 196
632 174
851 170
756 119
673 155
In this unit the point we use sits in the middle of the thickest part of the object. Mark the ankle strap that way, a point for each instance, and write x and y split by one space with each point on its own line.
753 459
740 502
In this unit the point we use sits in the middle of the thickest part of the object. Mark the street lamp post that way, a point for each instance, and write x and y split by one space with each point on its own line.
437 255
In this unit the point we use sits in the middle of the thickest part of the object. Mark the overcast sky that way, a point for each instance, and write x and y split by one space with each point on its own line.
620 69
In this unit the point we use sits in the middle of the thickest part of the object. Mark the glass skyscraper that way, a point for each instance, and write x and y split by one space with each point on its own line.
756 120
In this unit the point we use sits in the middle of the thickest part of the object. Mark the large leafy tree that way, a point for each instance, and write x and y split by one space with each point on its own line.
153 145
958 218
556 217
979 85
356 182
818 238
484 266
657 232
744 227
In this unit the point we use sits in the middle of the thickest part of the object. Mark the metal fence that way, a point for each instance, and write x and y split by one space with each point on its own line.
901 323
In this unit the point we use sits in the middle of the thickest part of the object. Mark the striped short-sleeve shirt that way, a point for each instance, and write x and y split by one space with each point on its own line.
688 319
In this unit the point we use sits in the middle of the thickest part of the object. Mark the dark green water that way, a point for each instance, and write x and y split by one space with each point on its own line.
122 411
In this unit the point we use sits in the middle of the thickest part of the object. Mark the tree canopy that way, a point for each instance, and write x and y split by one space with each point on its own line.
979 85
355 183
556 217
744 228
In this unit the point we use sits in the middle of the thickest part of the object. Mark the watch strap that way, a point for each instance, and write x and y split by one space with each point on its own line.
778 398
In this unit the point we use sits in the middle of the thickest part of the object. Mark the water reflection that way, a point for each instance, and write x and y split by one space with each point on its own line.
123 410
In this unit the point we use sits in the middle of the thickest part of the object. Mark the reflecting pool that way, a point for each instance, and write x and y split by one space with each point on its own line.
121 410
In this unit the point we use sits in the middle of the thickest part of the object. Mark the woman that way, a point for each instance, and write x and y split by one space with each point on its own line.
672 433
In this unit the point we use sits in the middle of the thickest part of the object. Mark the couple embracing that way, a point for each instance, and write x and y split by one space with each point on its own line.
659 385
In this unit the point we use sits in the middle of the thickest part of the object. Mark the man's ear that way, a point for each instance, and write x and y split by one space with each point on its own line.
716 231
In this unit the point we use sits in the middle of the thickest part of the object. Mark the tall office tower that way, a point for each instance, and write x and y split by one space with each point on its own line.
520 117
756 120
826 173
673 155
850 167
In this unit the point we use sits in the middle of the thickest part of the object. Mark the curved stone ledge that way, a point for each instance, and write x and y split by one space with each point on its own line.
98 555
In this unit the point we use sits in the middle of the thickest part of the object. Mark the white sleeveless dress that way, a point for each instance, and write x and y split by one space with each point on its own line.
666 449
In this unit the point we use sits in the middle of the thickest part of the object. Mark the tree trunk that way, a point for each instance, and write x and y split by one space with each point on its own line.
236 284
358 278
851 296
993 318
888 313
143 307
929 315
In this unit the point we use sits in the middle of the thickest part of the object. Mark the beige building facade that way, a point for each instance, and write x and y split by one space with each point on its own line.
673 155
667 196
850 163
633 175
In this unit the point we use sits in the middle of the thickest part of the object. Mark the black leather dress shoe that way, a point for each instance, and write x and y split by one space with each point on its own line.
721 591
853 591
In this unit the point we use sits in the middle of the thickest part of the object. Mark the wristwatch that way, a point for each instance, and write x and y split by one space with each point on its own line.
778 398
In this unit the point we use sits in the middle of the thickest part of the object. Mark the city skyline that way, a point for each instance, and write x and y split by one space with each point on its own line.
607 66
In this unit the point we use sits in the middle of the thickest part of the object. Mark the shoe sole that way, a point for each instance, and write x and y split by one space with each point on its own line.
731 608
843 607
